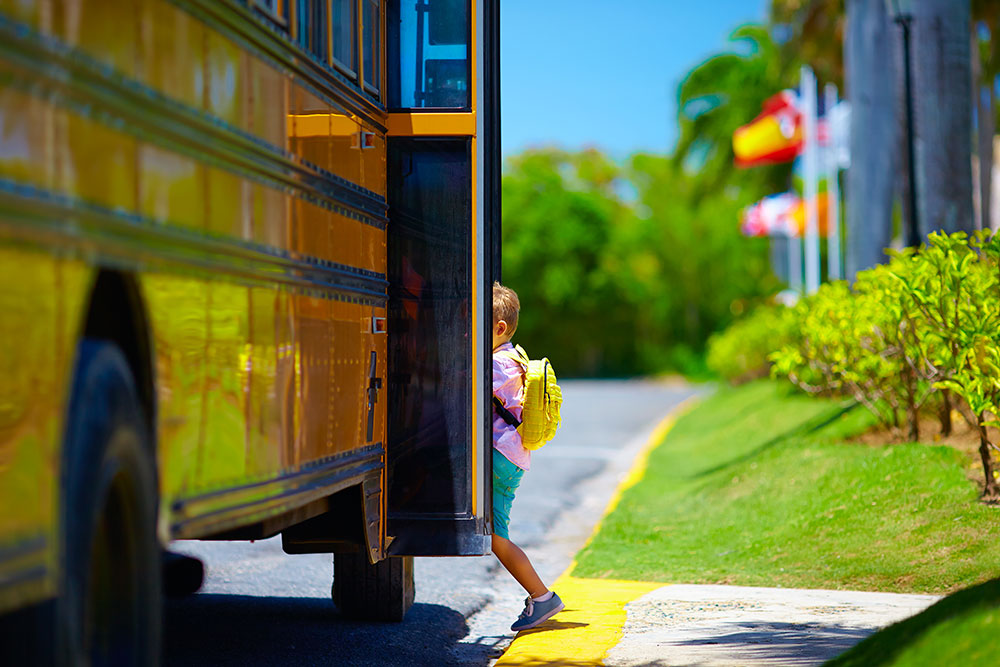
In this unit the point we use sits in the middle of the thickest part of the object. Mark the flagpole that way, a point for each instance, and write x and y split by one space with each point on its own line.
807 96
832 188
795 262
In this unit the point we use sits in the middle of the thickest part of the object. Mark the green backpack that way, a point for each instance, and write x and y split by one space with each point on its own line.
542 400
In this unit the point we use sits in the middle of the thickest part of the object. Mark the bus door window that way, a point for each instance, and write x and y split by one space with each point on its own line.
428 54
430 323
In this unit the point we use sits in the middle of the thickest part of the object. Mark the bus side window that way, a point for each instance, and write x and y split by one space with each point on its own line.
344 47
276 10
428 61
372 45
312 27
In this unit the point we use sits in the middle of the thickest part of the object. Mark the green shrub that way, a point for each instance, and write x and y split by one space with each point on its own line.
740 353
923 328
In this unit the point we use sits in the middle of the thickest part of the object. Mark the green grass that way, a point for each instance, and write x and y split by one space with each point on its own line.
962 629
756 486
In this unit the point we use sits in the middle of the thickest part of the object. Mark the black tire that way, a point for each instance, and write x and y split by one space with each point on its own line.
380 592
109 608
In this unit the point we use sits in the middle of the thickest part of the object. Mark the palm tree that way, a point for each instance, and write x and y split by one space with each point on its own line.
942 108
986 69
869 55
814 31
723 93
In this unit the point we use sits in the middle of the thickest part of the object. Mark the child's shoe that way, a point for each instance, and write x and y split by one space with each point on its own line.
536 613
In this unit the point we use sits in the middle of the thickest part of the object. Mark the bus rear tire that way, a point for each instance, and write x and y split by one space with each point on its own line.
109 607
380 592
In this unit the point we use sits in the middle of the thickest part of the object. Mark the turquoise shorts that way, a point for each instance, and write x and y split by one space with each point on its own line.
506 477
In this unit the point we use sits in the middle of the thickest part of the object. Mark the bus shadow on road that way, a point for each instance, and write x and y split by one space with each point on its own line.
221 630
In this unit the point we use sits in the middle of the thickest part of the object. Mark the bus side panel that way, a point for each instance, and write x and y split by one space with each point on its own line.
42 300
33 358
178 317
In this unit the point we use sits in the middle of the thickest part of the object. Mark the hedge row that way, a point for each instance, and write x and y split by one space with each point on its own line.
919 333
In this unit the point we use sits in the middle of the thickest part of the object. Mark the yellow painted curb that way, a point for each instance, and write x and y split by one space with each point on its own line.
594 618
584 632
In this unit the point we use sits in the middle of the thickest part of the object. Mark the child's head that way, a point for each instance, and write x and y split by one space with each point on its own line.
505 309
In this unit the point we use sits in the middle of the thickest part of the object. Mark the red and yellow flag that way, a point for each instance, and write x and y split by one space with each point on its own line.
774 136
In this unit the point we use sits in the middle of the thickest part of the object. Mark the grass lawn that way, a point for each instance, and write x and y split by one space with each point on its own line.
961 629
758 486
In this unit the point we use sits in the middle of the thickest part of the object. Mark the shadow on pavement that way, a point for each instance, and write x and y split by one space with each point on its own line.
553 625
221 630
788 643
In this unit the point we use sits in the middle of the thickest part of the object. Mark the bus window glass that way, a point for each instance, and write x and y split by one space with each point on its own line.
428 54
313 27
345 29
273 9
372 44
429 427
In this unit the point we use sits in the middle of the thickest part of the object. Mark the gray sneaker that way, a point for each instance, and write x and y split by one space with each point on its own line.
536 613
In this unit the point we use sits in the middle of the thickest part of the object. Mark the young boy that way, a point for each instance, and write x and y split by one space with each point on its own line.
510 460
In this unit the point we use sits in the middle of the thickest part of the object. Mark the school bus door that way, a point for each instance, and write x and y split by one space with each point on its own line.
443 255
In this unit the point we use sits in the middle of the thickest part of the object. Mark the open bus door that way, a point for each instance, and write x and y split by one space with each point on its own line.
443 256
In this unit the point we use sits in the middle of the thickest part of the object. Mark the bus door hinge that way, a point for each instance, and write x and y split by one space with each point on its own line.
374 384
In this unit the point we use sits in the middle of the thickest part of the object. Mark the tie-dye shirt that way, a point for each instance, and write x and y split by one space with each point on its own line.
508 386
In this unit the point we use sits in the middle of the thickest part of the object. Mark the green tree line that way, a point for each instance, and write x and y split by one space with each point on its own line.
620 268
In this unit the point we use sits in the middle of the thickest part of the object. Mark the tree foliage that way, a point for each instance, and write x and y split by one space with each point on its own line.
720 95
618 271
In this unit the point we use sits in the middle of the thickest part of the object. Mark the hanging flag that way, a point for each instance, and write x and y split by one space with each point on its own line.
774 136
799 214
781 215
771 216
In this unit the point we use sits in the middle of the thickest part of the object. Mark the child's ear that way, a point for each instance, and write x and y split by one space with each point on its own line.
501 327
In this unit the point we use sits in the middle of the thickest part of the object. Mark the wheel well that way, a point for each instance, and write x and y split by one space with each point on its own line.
116 313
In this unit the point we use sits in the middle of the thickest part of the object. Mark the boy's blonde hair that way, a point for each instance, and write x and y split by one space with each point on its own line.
506 306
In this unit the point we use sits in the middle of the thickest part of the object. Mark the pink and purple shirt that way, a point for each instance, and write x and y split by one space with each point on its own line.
508 386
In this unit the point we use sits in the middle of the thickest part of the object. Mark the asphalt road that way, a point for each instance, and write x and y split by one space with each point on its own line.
260 606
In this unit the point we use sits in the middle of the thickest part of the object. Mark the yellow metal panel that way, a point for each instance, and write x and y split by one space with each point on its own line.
32 383
329 140
26 138
222 453
373 167
228 212
171 187
31 12
432 124
373 250
98 163
313 335
225 86
265 452
104 30
269 212
312 230
179 319
173 48
268 102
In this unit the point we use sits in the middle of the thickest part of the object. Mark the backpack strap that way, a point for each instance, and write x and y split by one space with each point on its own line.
517 354
504 413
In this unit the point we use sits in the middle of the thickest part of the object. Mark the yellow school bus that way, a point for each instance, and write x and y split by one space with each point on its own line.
246 249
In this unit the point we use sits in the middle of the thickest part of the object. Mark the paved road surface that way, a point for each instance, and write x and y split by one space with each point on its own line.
262 607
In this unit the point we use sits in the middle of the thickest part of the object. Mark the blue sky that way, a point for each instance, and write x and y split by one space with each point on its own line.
578 73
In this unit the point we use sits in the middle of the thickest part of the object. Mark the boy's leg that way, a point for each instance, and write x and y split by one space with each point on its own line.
516 562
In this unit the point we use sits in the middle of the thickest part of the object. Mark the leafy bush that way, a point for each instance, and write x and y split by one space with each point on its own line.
927 325
740 353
